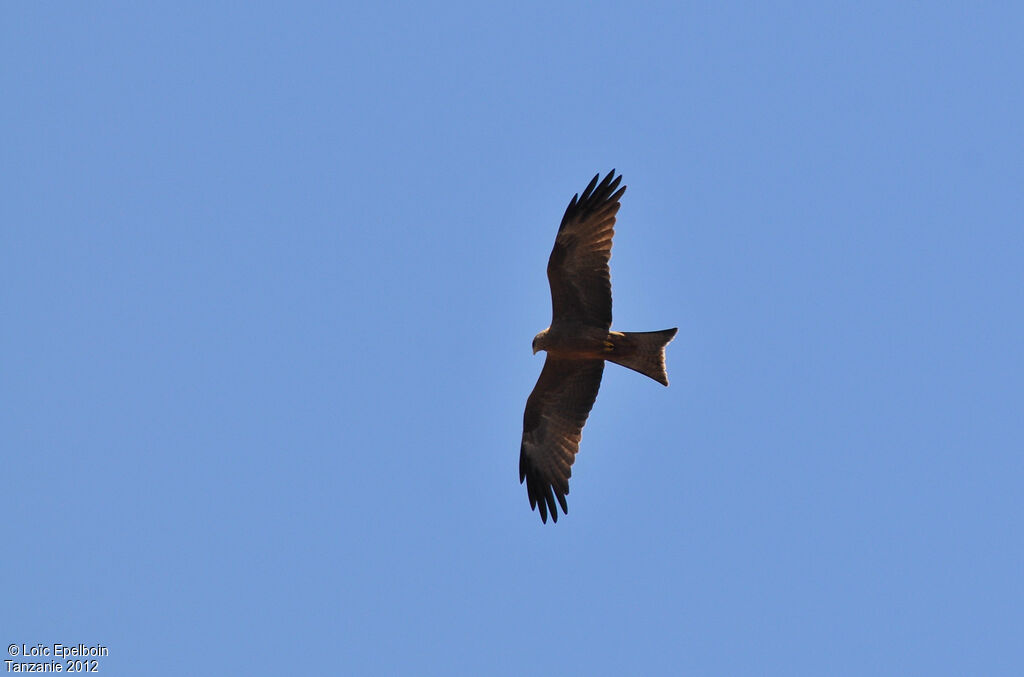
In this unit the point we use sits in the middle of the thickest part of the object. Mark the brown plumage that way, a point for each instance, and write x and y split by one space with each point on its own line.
578 342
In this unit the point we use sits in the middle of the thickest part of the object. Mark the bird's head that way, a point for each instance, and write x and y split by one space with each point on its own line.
540 341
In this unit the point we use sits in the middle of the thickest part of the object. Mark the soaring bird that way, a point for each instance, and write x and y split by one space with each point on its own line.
578 343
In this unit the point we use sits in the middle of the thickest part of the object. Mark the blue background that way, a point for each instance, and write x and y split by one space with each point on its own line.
269 277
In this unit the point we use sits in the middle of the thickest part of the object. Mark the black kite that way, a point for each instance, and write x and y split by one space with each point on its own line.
578 342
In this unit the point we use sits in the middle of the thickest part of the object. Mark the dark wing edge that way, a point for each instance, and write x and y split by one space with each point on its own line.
578 266
556 412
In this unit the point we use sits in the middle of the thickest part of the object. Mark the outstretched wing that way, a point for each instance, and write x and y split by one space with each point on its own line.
581 286
555 413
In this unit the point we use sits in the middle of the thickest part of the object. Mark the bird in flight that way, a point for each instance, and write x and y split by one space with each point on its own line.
578 343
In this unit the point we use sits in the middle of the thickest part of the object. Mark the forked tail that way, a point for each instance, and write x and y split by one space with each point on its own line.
642 351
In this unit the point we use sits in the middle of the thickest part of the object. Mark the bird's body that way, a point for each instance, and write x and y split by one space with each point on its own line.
574 341
578 343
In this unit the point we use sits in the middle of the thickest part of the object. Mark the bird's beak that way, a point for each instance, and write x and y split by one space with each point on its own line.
535 351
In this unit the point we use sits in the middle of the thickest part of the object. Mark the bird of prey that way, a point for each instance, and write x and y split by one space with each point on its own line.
578 342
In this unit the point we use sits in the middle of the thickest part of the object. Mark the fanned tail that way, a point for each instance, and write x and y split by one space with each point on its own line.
642 351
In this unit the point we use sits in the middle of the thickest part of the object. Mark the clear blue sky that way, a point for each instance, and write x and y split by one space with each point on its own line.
269 276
